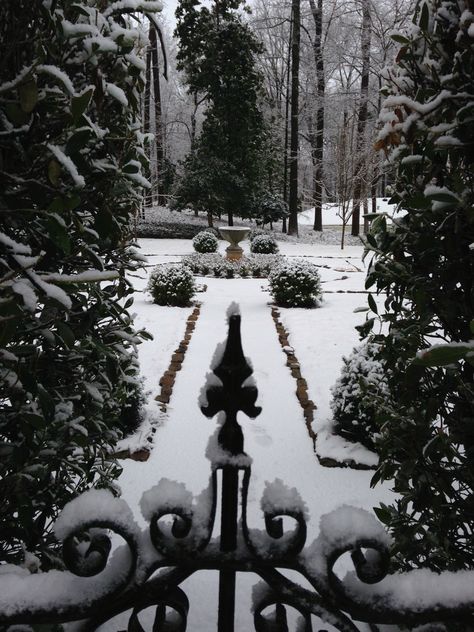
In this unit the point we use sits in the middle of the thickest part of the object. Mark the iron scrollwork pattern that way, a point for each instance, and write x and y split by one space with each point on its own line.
147 570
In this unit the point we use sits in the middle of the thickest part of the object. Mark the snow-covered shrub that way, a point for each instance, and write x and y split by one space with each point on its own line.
356 393
171 285
256 232
205 241
70 183
264 245
295 284
261 265
204 263
213 263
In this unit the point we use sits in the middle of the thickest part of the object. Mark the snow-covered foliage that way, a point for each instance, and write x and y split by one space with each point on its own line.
270 208
356 395
70 181
264 245
248 266
255 232
423 267
205 241
171 285
295 284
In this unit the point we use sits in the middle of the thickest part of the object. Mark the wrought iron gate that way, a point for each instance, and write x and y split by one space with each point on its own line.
148 570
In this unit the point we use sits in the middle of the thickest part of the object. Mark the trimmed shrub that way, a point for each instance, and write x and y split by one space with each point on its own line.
356 393
251 265
295 284
205 241
203 263
167 230
261 265
256 232
264 245
171 285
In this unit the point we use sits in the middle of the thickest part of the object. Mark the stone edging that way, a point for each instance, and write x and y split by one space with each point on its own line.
293 364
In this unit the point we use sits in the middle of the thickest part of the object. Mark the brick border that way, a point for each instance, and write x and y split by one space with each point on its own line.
293 364
168 378
307 404
166 383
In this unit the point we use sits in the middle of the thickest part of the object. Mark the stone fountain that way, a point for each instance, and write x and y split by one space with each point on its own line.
234 235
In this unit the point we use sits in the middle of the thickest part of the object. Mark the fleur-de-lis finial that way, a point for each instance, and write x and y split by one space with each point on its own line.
230 397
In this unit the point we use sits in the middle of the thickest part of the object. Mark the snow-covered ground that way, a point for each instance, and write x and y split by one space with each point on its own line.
332 213
277 440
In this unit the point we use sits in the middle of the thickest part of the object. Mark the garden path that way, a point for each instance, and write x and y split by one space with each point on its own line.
277 440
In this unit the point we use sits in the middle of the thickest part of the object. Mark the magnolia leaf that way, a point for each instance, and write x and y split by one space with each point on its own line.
16 115
58 233
401 39
424 17
54 172
66 333
78 141
131 168
28 93
372 304
79 104
443 196
442 355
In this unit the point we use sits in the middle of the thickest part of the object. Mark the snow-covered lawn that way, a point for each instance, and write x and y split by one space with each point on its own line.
277 440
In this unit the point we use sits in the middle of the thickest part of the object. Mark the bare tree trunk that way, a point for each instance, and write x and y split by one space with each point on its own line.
148 197
287 116
295 67
362 117
365 206
158 115
317 149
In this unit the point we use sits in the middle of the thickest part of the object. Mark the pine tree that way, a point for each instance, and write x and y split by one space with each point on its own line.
424 266
217 54
71 157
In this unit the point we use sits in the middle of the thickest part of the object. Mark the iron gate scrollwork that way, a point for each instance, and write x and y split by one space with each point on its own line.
150 566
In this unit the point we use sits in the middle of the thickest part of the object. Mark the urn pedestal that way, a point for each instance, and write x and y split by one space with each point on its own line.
234 235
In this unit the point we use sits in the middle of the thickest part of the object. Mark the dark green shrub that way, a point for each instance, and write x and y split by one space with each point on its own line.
205 241
70 184
171 285
264 245
270 208
423 269
295 284
356 393
167 230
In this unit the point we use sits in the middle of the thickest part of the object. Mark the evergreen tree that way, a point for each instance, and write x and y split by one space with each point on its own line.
71 157
424 266
217 53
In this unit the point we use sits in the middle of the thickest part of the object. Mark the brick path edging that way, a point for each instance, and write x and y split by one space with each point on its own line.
301 392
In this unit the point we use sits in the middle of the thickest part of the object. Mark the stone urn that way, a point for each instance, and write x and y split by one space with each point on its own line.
234 234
